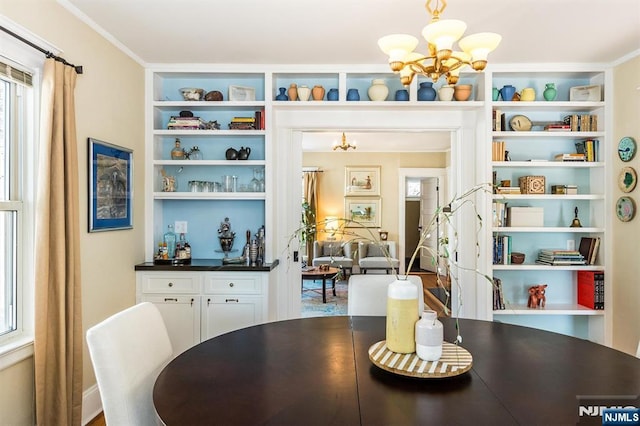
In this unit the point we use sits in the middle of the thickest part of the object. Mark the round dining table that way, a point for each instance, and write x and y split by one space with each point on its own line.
317 371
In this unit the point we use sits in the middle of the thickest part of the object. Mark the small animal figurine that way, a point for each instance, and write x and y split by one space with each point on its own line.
537 298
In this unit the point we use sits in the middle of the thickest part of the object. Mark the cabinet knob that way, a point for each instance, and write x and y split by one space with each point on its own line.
230 284
170 284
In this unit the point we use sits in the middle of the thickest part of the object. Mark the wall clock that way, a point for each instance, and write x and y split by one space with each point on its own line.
625 209
626 148
627 179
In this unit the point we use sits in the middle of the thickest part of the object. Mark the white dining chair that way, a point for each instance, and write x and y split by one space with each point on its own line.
367 294
128 351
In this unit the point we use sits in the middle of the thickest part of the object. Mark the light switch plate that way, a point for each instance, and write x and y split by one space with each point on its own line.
180 227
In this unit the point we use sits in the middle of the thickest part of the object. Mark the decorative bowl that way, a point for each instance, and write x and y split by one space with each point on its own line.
192 94
517 258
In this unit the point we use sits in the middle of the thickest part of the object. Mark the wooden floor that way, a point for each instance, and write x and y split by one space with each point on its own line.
98 421
429 280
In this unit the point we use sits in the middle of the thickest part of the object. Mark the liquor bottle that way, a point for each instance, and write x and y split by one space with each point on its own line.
181 252
170 239
177 153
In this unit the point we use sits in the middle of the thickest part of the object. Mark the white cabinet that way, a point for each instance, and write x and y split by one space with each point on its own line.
532 153
199 305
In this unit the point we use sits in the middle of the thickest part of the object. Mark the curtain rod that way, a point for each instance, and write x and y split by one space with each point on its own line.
49 54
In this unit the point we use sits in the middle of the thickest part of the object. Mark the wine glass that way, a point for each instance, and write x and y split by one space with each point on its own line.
255 182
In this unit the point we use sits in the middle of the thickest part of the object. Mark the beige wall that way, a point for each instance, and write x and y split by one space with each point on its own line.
331 185
110 107
625 268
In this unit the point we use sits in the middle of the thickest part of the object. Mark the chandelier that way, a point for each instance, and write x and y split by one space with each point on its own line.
441 59
345 145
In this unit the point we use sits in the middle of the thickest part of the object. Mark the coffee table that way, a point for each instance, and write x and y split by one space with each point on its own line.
316 274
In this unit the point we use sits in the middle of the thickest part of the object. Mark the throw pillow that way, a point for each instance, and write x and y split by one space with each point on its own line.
375 250
332 249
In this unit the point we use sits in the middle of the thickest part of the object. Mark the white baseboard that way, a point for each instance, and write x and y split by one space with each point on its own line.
91 404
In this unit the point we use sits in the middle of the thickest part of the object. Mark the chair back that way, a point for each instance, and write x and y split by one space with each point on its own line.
367 294
128 350
369 249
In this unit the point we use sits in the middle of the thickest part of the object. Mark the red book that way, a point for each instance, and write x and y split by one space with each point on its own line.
591 289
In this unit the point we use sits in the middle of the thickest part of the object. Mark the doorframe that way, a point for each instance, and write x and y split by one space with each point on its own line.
403 174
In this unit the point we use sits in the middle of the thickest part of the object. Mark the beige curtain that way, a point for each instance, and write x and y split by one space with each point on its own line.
58 316
310 187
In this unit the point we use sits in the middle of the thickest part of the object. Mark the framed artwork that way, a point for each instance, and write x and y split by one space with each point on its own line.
110 186
627 179
363 180
366 211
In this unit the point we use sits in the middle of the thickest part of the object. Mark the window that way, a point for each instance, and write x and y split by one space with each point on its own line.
15 95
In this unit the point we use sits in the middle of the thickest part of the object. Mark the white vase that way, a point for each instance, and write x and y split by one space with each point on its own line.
429 337
445 93
402 299
304 93
378 90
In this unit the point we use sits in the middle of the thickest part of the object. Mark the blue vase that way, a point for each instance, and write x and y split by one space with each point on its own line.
402 95
282 96
353 95
507 92
426 92
332 95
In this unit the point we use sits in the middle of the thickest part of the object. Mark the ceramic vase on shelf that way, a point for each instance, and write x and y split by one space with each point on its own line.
429 337
304 93
332 94
402 301
495 94
528 95
550 92
293 92
282 96
402 95
317 93
426 92
378 90
353 95
507 92
462 92
445 93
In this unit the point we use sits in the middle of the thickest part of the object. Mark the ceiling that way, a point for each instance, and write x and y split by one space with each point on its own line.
345 32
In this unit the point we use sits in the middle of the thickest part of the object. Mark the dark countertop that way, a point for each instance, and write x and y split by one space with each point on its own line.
207 265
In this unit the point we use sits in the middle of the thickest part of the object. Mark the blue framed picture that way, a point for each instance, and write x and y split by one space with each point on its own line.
110 186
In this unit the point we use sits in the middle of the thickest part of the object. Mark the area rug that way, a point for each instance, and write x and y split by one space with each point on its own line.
312 305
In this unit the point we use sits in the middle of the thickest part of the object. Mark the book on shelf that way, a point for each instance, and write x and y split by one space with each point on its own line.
582 122
501 249
243 120
557 127
591 289
508 190
498 120
499 214
560 257
588 248
588 148
570 157
498 151
498 295
260 120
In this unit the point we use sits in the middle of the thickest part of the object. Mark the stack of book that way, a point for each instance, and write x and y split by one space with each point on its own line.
243 123
560 257
589 148
508 190
582 123
186 123
570 157
557 127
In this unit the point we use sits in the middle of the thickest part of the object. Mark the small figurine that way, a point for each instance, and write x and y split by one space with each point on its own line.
226 236
537 298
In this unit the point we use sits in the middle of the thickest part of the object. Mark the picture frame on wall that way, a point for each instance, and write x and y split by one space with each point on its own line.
110 186
362 181
366 211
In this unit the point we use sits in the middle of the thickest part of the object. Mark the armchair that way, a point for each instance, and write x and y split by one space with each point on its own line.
372 256
333 253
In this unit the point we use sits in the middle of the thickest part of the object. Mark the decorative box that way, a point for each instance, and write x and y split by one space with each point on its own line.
564 189
532 184
525 216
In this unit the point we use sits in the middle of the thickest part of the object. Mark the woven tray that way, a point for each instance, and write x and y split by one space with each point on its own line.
455 360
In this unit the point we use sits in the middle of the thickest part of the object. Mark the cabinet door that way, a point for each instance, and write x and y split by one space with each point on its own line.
181 315
221 314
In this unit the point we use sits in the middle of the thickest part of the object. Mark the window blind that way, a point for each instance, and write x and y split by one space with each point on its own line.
15 74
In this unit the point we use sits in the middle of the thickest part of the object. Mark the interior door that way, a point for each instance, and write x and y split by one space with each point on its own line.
429 203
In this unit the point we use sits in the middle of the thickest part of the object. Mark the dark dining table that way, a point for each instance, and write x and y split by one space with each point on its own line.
317 371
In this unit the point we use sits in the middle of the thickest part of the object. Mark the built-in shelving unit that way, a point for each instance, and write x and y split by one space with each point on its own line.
532 154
